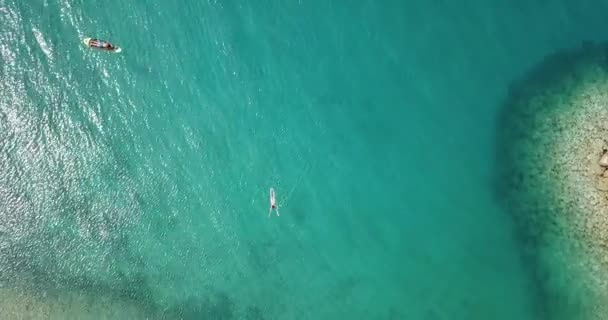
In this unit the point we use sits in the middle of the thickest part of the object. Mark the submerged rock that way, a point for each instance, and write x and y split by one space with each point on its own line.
552 160
604 160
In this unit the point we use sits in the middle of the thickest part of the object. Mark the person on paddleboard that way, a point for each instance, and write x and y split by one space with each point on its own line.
273 203
101 44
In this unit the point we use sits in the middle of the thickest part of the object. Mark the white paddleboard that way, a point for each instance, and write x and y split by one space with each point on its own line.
87 40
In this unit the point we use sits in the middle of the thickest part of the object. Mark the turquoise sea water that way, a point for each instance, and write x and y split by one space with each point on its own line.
144 176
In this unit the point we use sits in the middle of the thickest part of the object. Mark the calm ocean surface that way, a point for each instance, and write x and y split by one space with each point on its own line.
143 176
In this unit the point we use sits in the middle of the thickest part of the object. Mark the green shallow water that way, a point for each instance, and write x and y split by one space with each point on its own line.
145 175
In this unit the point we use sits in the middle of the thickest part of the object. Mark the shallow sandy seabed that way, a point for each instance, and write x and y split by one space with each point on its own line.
554 131
15 304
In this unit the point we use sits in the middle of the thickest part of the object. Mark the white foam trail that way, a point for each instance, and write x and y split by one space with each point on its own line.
46 48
